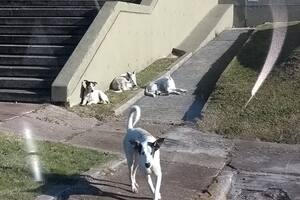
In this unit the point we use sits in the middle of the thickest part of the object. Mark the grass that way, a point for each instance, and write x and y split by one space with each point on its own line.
274 113
61 163
103 112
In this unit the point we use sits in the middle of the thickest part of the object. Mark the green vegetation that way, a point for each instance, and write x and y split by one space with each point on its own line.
102 112
61 164
274 113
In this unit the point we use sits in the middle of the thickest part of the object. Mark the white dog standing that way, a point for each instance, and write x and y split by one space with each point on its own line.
163 86
124 82
93 96
142 149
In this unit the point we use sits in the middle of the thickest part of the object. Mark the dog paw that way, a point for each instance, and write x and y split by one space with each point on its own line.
157 196
134 189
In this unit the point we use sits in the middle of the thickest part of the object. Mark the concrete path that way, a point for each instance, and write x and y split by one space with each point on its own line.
198 76
9 111
265 170
191 160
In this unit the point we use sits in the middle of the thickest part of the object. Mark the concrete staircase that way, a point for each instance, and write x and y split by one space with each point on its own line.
36 39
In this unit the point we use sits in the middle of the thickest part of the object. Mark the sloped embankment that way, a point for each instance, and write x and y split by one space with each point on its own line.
274 114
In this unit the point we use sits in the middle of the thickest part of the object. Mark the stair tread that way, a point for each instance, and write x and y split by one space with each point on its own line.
25 79
29 67
35 45
32 56
44 17
43 26
2 90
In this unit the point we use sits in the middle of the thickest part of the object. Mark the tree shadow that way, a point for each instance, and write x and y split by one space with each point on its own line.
251 55
62 186
208 81
254 53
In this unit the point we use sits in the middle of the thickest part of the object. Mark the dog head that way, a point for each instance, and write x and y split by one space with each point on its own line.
147 151
90 85
132 78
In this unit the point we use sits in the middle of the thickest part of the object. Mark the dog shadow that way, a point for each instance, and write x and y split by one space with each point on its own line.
62 187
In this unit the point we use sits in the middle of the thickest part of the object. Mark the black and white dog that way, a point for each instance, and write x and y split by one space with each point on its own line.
93 96
142 149
163 86
124 82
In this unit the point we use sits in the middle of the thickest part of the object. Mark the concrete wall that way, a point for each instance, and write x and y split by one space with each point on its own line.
126 37
255 12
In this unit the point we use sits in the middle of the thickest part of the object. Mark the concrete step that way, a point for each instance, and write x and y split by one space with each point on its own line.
46 20
48 30
24 83
53 50
32 60
46 3
11 95
40 39
47 12
29 71
36 39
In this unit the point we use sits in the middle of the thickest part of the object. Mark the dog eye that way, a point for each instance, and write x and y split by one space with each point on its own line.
143 153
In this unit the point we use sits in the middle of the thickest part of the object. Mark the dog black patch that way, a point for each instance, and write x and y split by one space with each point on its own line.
156 145
137 146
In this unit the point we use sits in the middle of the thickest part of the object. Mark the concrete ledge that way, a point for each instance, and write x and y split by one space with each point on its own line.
125 37
120 110
219 189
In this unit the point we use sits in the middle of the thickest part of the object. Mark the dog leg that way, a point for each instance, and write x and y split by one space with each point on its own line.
132 176
157 172
174 92
90 103
181 90
157 195
84 102
150 183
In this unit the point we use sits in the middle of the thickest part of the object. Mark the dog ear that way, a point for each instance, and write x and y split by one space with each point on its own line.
94 82
156 145
136 145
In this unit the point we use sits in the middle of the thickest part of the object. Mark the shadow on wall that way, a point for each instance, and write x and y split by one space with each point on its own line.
208 82
63 186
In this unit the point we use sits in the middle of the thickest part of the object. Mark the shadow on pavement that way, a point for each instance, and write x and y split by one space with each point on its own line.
63 186
208 81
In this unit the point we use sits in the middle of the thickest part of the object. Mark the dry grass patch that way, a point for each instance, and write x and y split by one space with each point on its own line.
274 113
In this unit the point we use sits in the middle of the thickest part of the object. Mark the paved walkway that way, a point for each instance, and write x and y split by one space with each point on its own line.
199 72
191 160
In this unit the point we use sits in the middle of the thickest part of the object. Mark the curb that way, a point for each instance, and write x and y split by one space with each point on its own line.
174 66
219 189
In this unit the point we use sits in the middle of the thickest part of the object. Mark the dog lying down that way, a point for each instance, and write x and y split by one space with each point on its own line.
142 149
124 82
93 96
163 86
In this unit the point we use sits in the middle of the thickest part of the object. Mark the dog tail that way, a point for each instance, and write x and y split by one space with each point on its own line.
134 110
